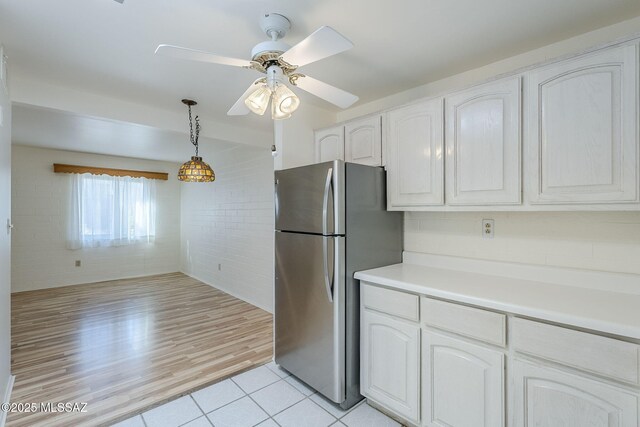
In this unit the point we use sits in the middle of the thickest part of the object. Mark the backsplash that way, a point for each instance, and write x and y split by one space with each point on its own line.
607 241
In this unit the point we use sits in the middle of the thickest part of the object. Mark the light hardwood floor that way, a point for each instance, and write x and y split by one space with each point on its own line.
128 345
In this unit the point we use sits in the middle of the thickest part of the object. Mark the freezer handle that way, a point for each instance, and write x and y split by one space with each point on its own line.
328 276
325 201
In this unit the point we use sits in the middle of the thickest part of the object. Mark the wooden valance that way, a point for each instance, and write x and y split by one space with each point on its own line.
60 168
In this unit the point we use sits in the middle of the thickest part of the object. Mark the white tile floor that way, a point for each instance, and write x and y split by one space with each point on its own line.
267 396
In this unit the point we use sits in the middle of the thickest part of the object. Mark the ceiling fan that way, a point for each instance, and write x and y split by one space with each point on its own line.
280 63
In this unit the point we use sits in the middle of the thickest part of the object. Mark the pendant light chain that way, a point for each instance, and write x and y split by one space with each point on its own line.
194 139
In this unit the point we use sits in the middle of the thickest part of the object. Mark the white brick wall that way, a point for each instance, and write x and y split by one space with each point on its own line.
608 241
230 223
40 258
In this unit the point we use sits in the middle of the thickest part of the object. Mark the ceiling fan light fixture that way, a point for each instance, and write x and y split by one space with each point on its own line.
284 100
258 101
277 113
280 63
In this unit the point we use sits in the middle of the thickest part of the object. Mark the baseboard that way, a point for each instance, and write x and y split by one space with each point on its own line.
137 276
227 291
6 398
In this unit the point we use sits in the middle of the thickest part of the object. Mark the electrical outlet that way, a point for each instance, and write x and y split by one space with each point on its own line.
219 267
487 228
78 263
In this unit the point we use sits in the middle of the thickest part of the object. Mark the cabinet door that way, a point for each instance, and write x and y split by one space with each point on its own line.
330 144
415 166
483 145
363 141
463 383
582 116
390 363
546 397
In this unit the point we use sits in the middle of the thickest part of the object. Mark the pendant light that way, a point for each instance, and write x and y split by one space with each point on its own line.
195 170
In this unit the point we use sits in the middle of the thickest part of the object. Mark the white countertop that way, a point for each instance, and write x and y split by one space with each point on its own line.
607 311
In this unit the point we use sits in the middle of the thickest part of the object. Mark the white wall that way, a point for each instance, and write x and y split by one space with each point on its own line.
40 205
608 241
230 224
5 241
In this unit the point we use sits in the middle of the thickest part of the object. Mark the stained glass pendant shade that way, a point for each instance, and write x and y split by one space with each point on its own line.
195 170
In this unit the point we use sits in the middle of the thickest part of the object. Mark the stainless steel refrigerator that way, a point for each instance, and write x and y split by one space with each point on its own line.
331 221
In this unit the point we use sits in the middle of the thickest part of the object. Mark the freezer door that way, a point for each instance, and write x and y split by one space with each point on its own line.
310 199
309 310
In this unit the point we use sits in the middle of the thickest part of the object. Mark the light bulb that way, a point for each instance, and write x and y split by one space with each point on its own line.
278 114
258 101
283 103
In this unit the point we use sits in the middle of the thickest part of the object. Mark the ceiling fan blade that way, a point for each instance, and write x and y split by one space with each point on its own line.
324 42
198 55
339 97
240 108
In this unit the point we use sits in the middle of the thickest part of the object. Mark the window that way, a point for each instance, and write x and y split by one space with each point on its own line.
111 211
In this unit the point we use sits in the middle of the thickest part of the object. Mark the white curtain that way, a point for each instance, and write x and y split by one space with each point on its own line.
111 211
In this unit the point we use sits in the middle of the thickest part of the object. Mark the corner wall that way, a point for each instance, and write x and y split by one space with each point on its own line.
6 379
227 226
40 258
294 138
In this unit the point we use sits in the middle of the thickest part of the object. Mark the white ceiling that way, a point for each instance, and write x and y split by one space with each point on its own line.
103 47
46 128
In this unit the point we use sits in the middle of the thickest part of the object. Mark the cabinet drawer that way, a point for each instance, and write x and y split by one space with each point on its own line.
472 322
396 303
581 350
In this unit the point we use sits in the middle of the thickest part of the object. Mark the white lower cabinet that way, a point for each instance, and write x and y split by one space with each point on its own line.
390 363
439 368
546 397
462 383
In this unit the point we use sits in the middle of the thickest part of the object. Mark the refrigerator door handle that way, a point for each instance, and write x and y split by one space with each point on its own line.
328 276
325 202
276 199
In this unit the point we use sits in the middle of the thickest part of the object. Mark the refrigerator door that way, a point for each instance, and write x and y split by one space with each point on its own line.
310 310
310 199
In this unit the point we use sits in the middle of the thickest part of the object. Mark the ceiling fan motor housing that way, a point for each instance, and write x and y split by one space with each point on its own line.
275 76
275 27
276 48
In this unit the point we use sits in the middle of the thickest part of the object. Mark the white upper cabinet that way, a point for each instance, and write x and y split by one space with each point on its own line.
415 158
483 144
561 136
363 141
358 141
582 129
329 144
